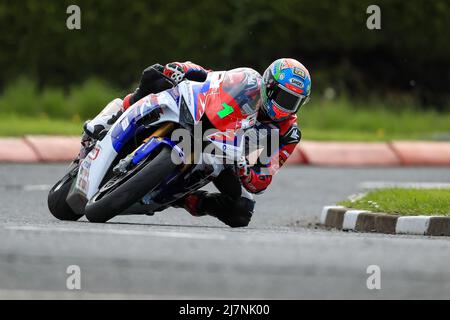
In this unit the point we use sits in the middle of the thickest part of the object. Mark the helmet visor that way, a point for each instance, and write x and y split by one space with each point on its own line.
286 100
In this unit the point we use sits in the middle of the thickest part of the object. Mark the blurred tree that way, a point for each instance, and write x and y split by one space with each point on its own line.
410 55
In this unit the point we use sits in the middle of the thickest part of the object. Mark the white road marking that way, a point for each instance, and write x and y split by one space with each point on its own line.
37 187
150 233
27 187
419 185
357 196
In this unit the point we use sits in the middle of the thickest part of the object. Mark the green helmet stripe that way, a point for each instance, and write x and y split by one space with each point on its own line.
277 70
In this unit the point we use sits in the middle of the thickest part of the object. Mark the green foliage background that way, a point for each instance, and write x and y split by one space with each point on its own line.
407 62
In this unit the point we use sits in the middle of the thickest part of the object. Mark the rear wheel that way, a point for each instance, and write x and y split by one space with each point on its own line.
120 192
57 195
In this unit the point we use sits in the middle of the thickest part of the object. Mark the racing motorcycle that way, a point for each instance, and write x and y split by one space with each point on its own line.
137 167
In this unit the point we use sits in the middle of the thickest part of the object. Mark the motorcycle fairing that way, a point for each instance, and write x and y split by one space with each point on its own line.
149 111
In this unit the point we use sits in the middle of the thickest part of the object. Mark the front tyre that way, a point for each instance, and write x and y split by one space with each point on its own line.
56 199
114 198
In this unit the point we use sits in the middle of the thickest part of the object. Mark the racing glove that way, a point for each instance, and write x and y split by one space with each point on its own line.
178 71
254 181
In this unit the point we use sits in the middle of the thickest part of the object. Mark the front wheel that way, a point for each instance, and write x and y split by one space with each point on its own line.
119 193
56 199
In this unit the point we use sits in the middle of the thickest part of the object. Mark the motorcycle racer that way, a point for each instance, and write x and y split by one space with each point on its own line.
283 89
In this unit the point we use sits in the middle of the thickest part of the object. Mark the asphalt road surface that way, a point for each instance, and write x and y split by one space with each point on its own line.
172 255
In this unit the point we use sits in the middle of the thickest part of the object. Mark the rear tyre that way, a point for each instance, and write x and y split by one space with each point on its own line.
106 204
56 199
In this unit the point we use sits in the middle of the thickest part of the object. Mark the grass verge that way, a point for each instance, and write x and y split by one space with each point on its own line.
342 119
404 201
14 125
27 109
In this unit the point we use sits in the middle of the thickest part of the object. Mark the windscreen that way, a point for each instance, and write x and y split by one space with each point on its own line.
243 85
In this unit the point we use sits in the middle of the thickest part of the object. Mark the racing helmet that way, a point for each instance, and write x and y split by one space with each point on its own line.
286 87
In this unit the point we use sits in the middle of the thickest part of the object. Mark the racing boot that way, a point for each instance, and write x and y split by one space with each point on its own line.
99 126
233 212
